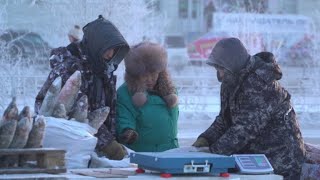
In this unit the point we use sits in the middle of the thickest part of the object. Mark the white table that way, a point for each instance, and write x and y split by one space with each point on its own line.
147 175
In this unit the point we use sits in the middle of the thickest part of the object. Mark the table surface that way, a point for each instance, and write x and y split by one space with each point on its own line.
147 175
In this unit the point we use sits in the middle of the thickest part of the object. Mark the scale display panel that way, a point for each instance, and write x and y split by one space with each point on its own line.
253 164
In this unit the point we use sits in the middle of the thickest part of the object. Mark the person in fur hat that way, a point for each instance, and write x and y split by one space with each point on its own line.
147 106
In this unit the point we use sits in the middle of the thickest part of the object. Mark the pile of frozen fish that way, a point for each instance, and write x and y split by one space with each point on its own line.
62 103
20 130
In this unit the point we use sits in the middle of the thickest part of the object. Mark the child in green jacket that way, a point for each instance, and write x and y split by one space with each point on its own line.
147 106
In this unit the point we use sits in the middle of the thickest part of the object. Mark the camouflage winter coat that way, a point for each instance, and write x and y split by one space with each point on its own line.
63 63
256 116
98 81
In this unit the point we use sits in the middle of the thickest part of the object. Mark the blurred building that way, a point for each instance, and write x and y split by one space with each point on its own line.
184 17
189 18
310 8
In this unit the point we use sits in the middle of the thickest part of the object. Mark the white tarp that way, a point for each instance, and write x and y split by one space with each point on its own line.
76 138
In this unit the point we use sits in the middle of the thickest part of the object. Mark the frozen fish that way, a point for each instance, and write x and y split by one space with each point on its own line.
50 98
97 117
69 91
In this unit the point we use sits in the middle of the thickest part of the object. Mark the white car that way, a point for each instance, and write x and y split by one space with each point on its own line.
178 57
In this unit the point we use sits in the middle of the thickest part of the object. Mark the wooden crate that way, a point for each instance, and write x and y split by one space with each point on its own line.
46 160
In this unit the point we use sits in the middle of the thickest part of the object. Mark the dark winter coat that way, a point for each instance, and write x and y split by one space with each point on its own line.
98 81
256 116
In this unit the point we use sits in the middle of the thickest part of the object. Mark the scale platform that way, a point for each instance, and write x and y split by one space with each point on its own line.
183 163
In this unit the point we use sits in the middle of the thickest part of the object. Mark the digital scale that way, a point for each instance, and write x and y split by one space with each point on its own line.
183 163
201 163
253 164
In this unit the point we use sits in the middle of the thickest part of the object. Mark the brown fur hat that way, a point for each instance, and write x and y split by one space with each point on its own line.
144 58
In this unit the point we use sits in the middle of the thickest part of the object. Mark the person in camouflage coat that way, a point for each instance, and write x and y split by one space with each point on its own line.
256 115
96 56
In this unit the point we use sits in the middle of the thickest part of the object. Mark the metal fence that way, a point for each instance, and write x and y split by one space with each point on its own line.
199 94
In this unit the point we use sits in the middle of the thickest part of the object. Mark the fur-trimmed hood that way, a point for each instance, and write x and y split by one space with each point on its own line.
145 58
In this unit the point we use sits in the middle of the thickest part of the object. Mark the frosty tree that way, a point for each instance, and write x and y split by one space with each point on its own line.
53 19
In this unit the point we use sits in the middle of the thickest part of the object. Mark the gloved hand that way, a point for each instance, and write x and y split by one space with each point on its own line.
201 142
129 136
114 151
312 153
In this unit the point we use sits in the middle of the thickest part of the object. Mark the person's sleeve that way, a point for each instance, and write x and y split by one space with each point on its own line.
215 131
125 116
111 102
251 117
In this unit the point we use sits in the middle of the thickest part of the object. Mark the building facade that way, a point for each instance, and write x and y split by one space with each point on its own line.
188 17
184 17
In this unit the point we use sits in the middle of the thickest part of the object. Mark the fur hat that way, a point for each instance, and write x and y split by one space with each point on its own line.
144 58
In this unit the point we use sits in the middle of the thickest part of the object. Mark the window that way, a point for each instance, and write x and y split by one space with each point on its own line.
183 9
154 5
256 6
195 5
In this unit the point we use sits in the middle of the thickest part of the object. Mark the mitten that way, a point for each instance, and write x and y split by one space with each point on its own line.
201 142
129 136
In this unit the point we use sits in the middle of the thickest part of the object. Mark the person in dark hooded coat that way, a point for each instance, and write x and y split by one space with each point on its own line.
96 56
256 115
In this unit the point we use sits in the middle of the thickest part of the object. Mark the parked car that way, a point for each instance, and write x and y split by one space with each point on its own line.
200 49
301 51
176 47
24 47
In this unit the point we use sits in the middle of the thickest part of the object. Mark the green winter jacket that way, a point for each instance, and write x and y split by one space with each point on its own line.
155 123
